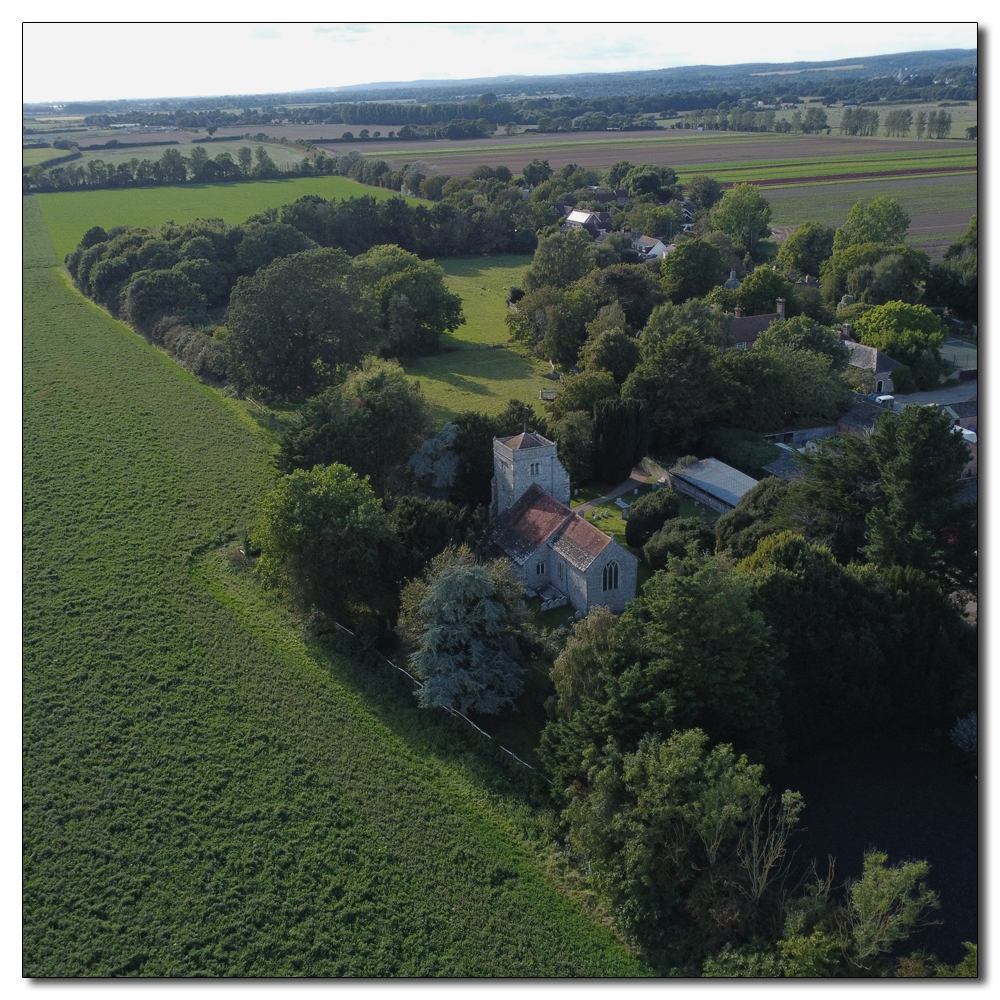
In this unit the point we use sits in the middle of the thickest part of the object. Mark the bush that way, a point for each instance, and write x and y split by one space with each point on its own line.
674 539
649 513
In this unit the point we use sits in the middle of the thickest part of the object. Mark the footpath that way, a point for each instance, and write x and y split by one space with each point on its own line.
639 477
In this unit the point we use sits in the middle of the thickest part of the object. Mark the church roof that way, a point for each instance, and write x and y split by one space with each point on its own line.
538 518
529 439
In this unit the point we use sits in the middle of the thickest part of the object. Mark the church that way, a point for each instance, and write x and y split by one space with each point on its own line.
554 552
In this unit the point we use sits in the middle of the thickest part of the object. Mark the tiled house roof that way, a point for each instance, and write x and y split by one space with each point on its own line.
746 329
870 358
538 518
861 417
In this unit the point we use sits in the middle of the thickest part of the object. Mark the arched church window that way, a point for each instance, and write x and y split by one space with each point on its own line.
610 576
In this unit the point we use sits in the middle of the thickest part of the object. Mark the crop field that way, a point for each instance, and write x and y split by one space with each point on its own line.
207 792
478 379
939 207
483 284
69 214
679 149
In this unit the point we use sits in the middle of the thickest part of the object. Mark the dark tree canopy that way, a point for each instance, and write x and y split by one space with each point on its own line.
297 321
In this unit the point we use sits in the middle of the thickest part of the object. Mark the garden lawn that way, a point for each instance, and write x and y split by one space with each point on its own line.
481 379
483 284
205 793
69 214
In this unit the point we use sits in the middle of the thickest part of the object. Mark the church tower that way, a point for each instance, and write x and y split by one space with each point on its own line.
520 461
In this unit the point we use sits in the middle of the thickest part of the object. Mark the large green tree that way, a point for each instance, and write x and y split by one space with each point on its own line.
743 215
683 390
322 535
582 392
373 421
806 249
561 257
466 621
608 346
295 322
552 322
690 270
883 220
410 299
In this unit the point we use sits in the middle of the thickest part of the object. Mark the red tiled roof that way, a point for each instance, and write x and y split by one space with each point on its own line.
538 517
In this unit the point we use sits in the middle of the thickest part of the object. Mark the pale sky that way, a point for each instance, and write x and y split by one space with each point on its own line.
65 62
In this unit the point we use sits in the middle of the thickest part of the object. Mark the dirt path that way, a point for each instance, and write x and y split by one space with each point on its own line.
637 479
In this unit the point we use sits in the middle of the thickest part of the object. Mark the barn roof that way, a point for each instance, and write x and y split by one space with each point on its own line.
716 478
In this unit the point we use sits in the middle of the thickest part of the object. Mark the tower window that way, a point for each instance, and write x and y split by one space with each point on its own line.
536 468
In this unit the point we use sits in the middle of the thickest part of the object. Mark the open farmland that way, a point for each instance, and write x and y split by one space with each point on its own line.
205 793
283 156
678 149
939 207
29 157
69 214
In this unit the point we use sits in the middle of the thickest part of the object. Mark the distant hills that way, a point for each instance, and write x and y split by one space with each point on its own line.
917 68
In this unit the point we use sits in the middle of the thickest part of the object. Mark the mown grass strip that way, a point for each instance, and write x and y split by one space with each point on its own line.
204 793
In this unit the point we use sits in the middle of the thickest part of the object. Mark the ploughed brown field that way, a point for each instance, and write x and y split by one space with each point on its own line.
598 152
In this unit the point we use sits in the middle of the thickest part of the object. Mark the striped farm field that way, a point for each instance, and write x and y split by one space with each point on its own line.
69 214
206 791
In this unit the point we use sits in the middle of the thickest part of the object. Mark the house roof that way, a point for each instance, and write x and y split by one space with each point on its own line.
863 356
785 467
527 439
538 518
968 408
864 415
646 241
716 478
746 329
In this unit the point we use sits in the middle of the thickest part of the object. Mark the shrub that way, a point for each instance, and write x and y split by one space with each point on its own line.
649 513
675 538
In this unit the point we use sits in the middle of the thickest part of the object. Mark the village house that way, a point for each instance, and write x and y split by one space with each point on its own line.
744 330
869 359
650 247
555 553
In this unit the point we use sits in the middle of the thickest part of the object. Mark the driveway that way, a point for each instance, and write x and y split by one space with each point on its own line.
943 396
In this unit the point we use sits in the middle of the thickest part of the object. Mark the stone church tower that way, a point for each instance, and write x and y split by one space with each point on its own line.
521 461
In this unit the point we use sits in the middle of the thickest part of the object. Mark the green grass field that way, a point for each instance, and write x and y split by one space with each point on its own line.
478 379
29 157
483 284
205 791
283 156
69 214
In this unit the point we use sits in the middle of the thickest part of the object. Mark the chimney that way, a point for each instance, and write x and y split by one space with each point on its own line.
739 312
846 333
732 274
779 308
